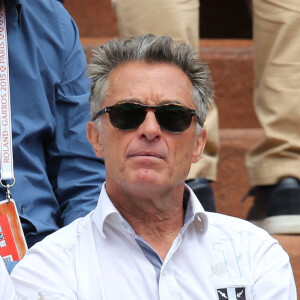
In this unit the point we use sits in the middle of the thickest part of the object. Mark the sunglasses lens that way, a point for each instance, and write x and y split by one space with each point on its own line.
126 116
173 118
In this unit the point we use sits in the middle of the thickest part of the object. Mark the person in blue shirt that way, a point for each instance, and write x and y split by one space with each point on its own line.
58 177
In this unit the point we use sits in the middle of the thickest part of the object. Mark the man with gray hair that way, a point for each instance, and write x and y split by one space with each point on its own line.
149 237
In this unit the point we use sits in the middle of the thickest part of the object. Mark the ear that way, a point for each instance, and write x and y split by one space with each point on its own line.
199 145
94 137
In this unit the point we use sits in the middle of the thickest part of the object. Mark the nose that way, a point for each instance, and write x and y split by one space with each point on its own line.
150 129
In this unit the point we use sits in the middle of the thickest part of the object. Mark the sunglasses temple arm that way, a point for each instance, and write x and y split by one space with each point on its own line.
197 118
100 113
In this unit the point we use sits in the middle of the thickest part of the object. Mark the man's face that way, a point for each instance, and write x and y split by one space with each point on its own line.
147 157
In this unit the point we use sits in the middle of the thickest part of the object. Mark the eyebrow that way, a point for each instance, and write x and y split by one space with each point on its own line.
164 101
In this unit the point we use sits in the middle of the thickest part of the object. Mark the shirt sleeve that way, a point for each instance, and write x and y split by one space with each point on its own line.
75 172
273 275
6 287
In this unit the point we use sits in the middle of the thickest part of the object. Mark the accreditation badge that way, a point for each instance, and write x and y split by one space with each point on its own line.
12 241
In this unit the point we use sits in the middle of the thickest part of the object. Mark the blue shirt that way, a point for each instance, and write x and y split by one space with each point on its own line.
58 177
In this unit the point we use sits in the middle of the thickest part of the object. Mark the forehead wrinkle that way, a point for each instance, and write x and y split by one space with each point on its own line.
149 95
153 97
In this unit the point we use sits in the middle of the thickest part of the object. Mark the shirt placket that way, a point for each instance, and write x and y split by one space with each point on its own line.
168 286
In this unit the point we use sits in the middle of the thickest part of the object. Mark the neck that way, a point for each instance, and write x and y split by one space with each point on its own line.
156 217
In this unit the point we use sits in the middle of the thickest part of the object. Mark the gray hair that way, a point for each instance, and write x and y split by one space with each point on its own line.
150 49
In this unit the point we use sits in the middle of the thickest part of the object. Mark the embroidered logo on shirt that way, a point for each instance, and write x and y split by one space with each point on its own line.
225 251
219 269
232 293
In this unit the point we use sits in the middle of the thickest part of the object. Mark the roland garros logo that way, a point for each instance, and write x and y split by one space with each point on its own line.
5 123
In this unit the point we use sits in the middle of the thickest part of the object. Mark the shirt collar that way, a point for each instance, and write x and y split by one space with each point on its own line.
106 212
194 212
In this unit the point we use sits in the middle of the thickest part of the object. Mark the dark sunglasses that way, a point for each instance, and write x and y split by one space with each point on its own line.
172 117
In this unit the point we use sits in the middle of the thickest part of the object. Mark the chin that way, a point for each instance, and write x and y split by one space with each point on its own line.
148 176
147 182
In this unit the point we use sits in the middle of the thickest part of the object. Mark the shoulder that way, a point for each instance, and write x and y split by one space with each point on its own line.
66 238
61 246
232 224
239 231
255 248
52 262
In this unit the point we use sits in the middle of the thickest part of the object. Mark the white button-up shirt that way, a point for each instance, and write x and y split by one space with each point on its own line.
100 257
7 291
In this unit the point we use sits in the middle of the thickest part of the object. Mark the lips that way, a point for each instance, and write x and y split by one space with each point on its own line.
146 154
